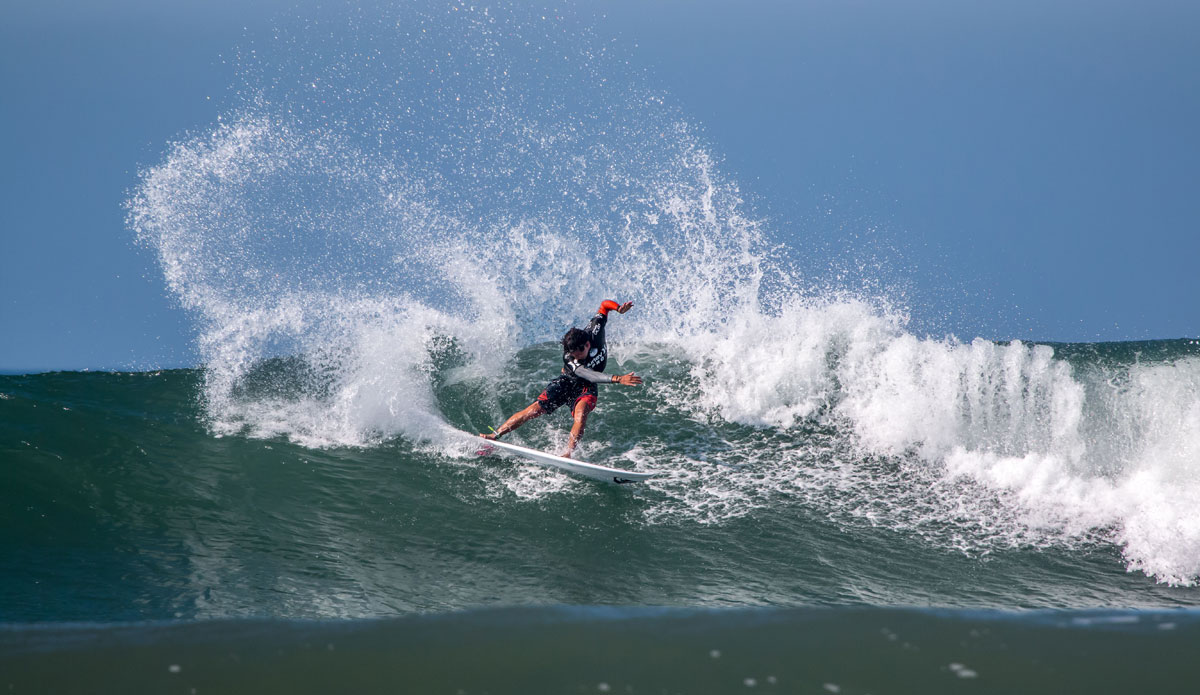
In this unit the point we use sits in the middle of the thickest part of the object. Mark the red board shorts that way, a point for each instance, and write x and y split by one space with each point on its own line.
567 389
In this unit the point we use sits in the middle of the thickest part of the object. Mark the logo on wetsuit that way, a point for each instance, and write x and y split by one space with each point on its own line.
596 357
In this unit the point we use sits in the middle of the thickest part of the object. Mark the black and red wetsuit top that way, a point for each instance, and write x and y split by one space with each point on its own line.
589 369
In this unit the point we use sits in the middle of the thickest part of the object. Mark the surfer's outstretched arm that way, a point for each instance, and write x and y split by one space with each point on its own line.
596 377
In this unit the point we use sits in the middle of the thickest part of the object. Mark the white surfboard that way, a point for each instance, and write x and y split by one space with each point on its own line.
588 470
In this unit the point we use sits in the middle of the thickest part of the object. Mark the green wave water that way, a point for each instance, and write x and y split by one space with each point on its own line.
121 504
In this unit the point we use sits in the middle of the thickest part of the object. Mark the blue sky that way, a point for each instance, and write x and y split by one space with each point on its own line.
1028 168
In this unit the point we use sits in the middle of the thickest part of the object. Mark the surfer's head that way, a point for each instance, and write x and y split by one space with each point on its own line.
576 343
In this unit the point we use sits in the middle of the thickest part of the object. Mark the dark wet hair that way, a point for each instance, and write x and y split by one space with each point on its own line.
575 339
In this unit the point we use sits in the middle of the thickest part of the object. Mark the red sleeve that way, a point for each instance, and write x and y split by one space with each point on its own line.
606 305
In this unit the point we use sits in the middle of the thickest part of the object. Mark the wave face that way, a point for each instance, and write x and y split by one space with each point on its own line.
1068 489
380 243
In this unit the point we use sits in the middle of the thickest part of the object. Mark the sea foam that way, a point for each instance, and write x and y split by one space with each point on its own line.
1077 450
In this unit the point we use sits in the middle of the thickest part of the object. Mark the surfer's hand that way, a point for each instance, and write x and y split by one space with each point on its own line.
629 379
624 307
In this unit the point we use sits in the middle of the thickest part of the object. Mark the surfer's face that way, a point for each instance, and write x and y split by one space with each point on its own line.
581 353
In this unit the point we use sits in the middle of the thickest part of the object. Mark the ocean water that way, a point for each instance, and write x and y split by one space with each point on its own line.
379 245
143 549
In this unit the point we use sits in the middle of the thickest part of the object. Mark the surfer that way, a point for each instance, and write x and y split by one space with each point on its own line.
585 355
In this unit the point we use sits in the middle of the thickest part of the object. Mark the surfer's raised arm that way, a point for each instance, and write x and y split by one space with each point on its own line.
629 379
608 305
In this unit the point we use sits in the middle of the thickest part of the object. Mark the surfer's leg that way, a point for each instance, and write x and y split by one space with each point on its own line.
557 392
583 406
519 418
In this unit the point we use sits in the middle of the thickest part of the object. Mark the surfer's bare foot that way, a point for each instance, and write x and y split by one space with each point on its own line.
489 435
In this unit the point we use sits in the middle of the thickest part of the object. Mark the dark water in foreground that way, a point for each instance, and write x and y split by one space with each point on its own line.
601 650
